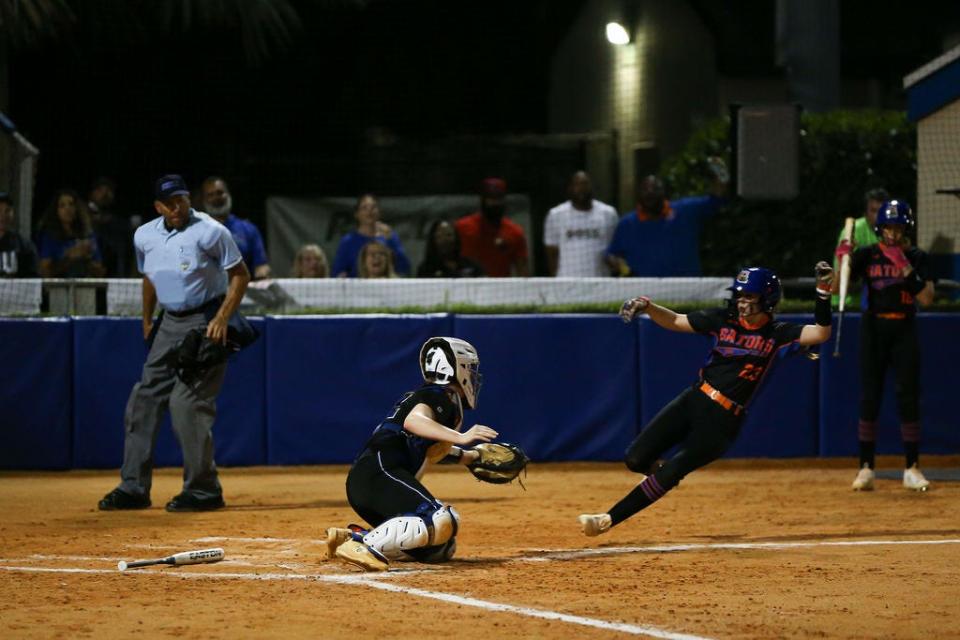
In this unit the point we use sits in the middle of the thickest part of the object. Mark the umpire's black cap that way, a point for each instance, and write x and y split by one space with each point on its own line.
170 185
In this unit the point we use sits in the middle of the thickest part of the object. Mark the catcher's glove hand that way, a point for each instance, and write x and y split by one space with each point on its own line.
498 462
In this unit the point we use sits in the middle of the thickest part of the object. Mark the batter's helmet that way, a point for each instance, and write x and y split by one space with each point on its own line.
894 212
760 281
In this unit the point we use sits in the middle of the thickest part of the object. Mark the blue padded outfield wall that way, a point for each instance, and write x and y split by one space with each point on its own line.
565 387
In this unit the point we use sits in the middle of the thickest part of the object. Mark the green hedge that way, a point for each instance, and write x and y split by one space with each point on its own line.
842 155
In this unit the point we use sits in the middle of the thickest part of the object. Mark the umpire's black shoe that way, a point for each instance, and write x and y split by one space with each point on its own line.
117 499
187 502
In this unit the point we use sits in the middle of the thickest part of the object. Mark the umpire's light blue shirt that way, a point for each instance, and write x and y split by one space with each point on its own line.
188 266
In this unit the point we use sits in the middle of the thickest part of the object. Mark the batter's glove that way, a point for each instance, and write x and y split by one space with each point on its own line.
824 278
499 462
633 306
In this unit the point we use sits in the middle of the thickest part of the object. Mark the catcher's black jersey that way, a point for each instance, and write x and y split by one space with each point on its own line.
887 291
741 356
398 447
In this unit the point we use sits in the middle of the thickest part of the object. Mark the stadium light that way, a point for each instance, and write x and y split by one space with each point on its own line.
617 34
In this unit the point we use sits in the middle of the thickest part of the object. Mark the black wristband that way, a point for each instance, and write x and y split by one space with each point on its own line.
822 313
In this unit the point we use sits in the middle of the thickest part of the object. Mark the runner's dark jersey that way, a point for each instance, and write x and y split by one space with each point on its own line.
399 448
741 357
887 291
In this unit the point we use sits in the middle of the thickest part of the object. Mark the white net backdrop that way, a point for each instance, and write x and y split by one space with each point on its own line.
123 296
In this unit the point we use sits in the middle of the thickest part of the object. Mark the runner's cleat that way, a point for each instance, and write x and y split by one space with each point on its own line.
594 525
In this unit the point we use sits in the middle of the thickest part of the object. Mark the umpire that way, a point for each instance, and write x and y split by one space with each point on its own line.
193 269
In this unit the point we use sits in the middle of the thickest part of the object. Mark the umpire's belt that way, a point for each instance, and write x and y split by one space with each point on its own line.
720 399
212 303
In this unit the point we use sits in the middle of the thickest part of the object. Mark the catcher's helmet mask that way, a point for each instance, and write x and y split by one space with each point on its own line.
447 360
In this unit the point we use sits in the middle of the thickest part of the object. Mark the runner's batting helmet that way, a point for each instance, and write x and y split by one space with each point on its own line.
760 281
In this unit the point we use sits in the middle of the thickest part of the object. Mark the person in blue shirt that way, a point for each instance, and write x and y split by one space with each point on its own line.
193 270
369 227
218 202
66 244
661 238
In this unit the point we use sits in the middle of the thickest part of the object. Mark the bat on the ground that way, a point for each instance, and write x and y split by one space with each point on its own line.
844 284
186 557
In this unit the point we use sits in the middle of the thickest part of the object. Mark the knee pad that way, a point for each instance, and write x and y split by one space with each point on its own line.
397 535
430 527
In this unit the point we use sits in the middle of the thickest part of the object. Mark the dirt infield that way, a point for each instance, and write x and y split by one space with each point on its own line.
740 550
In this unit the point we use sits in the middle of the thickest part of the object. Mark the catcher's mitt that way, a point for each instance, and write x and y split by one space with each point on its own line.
499 462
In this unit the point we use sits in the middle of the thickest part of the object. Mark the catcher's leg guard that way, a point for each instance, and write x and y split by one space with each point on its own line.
404 533
445 521
362 556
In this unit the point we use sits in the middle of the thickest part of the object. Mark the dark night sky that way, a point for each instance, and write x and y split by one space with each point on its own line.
99 104
105 99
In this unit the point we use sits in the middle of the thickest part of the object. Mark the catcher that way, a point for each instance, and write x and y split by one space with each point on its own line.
383 485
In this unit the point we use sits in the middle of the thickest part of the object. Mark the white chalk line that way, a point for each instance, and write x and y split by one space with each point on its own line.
221 575
530 612
241 539
377 581
562 554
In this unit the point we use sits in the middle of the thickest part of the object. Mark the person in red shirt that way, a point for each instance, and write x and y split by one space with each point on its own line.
497 243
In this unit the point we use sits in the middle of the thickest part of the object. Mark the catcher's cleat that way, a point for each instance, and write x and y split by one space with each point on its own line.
594 525
864 479
367 558
914 481
336 536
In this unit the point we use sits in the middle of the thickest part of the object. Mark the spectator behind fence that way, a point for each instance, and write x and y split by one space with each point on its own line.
68 248
863 228
369 227
18 256
375 261
310 262
577 232
114 232
218 202
442 255
497 243
662 238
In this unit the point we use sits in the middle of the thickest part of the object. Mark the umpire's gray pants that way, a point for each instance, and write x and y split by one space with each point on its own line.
192 412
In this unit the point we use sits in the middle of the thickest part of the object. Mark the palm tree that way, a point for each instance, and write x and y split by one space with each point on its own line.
266 26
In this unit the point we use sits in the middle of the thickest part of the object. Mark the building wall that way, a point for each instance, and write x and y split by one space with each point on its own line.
938 167
651 91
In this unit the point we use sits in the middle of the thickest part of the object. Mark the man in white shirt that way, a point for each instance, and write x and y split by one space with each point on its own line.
577 232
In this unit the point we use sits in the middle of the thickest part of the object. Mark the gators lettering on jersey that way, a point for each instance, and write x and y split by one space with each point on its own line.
741 356
398 447
887 291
